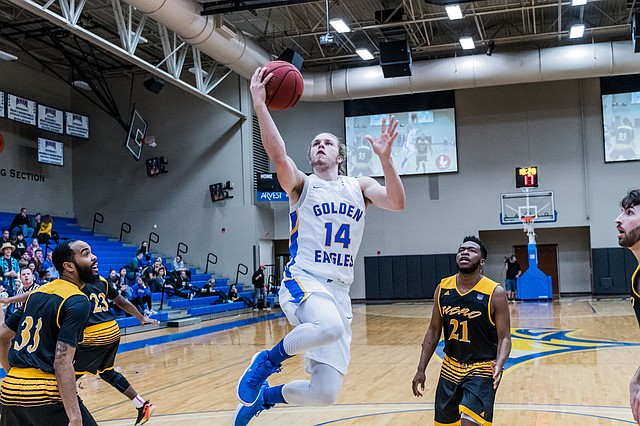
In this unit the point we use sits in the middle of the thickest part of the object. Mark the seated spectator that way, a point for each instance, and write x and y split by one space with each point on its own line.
44 277
141 297
24 260
156 280
46 229
37 259
53 273
209 288
119 281
33 247
133 268
6 236
178 265
233 296
20 245
32 265
21 223
146 256
36 223
154 268
181 284
48 263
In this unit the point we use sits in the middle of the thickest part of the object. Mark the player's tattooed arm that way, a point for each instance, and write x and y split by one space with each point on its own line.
65 375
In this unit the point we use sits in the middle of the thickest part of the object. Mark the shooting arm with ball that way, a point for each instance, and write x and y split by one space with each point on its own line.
290 177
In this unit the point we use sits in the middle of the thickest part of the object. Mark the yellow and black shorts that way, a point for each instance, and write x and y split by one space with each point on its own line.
29 395
464 389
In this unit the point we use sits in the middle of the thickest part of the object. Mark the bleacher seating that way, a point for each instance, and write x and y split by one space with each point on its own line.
113 254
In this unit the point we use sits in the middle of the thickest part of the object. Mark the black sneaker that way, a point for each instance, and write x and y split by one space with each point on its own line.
144 413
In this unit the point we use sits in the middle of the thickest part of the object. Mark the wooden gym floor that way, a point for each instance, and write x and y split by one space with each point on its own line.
570 365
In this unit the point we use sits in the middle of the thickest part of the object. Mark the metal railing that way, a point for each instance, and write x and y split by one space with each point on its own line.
153 238
241 269
182 249
97 218
209 261
123 230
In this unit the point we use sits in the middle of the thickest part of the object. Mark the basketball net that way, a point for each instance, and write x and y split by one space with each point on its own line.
149 141
527 221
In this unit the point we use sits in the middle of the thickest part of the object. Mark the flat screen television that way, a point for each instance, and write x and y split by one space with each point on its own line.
620 117
426 141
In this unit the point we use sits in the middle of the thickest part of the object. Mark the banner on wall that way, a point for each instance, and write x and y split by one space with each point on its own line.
50 119
21 109
50 152
77 125
1 104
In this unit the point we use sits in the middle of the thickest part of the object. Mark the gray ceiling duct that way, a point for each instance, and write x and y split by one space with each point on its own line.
233 49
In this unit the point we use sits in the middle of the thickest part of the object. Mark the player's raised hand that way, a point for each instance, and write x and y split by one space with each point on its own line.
388 134
417 384
634 401
148 320
257 86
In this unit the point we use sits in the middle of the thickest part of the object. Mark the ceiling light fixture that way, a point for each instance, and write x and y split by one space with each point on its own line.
364 54
578 2
576 31
454 12
7 56
339 25
467 43
81 84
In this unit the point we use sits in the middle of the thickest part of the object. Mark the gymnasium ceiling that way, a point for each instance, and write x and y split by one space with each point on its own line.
513 25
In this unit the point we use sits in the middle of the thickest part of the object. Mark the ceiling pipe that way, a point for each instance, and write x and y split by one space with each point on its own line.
233 49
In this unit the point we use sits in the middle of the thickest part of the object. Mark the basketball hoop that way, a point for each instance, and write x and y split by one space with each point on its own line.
528 221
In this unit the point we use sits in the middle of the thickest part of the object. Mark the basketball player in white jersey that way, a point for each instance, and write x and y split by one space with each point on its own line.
327 222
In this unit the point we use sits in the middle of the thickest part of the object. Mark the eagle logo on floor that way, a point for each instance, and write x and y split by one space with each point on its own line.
534 343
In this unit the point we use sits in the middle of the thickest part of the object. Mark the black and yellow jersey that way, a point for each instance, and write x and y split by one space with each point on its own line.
470 334
102 328
635 293
57 311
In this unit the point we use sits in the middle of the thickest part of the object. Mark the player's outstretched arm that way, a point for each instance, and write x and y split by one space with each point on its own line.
500 307
634 396
429 344
128 307
18 298
291 179
66 378
391 195
6 336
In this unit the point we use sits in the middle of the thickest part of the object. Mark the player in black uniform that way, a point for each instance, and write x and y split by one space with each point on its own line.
423 152
474 313
97 351
628 226
38 343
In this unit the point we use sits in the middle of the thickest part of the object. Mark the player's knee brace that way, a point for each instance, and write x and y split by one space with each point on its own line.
115 379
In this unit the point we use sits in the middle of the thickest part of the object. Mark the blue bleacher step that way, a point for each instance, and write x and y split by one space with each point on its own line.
183 322
214 309
198 301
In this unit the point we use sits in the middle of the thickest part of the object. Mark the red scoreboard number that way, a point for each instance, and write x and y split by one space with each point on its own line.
527 177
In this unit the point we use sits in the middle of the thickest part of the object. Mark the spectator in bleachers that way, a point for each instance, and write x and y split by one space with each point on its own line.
32 265
21 223
6 236
178 266
36 222
153 268
46 228
181 285
209 288
48 262
133 268
33 247
38 260
10 269
119 281
156 279
141 297
233 296
24 260
146 256
44 277
20 245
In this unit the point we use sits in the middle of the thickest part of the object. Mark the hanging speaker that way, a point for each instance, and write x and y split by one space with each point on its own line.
292 57
154 85
395 58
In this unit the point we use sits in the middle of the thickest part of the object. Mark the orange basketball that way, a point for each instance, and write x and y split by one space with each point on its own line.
285 87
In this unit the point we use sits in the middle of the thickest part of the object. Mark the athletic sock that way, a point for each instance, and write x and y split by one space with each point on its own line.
138 401
278 354
273 395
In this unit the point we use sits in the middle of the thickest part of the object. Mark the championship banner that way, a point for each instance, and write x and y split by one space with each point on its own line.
21 109
50 119
77 125
1 104
50 152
